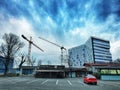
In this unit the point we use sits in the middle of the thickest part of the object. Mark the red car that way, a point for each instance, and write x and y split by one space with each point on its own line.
90 79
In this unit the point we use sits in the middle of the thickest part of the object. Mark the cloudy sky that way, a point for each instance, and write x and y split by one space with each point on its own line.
66 22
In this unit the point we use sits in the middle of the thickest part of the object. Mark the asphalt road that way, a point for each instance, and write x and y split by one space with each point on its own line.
31 83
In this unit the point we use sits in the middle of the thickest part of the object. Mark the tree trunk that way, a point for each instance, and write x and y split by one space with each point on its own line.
20 67
6 66
6 70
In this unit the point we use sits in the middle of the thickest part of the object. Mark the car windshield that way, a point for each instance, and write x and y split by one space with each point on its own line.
90 76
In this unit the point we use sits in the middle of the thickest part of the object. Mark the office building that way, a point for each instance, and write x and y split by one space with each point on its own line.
95 50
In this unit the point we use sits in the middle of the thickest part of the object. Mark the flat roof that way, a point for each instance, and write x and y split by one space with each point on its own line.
106 67
102 65
49 70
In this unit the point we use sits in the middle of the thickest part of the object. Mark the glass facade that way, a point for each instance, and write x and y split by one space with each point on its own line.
101 49
95 50
76 57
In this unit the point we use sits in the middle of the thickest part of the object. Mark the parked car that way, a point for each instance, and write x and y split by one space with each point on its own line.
90 79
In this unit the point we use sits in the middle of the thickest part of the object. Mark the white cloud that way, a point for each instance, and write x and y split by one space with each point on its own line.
106 30
81 34
17 26
115 49
22 26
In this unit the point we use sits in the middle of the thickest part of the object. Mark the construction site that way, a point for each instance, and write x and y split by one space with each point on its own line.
74 62
51 71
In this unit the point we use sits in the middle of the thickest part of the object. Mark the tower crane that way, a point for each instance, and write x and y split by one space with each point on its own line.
61 47
29 48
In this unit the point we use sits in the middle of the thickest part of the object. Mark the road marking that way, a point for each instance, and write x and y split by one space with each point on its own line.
32 81
44 82
57 82
82 83
69 82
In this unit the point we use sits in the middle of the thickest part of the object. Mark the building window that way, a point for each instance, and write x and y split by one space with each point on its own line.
77 56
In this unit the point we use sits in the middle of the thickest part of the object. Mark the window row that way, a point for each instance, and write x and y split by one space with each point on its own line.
100 49
102 59
101 52
102 46
100 41
107 55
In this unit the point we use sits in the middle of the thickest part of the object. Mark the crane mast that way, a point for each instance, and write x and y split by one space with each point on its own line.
29 48
29 51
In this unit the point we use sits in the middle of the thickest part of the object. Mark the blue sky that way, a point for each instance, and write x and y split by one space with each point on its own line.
66 22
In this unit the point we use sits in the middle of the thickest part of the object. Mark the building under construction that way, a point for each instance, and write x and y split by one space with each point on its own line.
53 71
50 71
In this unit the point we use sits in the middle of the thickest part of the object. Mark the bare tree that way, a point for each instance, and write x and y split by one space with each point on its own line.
117 60
32 61
39 62
49 62
23 59
9 48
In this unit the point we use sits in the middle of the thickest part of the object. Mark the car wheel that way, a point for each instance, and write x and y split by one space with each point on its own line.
95 83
